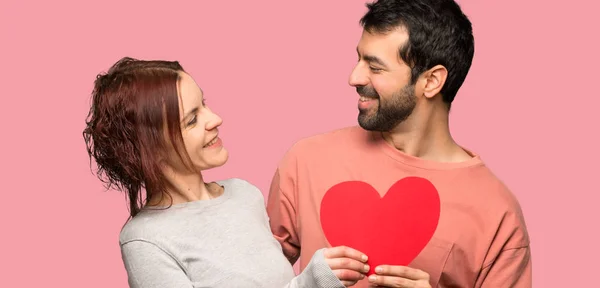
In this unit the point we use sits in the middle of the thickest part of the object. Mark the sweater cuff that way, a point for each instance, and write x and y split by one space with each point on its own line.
320 272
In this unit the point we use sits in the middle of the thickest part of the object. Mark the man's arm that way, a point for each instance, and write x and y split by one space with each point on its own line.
510 264
512 268
281 209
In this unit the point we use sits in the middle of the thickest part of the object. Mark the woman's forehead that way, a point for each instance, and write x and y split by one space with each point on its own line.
190 94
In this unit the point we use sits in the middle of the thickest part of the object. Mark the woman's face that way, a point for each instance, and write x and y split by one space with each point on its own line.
199 128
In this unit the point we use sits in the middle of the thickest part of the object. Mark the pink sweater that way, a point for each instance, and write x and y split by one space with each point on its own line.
481 239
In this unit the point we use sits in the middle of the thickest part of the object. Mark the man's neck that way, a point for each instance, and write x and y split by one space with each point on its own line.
426 136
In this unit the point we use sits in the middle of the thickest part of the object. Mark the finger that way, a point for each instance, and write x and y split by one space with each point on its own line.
391 281
348 283
343 251
347 263
348 275
402 271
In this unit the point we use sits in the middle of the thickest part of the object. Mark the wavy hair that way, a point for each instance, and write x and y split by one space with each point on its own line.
133 116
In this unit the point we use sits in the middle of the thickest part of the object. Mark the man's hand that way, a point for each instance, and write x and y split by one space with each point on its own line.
399 276
347 264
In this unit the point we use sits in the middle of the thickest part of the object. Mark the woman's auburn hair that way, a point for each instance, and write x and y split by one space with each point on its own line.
132 105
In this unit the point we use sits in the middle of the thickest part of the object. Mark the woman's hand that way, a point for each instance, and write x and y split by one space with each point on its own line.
399 276
348 264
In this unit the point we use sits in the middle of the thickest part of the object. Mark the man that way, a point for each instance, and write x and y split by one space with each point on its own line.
413 57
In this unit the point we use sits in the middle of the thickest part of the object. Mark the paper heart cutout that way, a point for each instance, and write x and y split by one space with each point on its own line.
392 230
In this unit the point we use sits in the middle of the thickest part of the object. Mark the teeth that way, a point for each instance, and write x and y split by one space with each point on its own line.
211 142
364 99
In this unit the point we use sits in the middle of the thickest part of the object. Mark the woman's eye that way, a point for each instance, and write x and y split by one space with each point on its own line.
192 121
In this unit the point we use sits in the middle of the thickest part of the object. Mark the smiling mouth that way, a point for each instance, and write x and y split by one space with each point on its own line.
365 99
211 142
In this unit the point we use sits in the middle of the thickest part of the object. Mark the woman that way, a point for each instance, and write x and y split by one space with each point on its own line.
149 130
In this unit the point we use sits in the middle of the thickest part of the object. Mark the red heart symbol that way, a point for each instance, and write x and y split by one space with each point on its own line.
391 230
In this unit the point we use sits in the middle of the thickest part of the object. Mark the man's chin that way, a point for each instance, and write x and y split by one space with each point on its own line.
366 121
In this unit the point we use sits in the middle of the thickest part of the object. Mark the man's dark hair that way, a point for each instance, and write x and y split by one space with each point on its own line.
439 34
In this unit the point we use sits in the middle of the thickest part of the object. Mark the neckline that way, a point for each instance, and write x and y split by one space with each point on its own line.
417 162
197 203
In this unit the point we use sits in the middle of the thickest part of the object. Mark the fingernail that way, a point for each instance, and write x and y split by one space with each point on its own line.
372 278
378 270
366 268
365 258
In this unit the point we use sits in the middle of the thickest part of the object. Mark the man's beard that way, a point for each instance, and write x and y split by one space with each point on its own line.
389 112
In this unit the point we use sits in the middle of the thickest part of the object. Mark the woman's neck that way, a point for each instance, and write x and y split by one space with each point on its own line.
186 188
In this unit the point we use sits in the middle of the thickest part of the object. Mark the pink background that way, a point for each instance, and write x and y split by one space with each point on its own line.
529 107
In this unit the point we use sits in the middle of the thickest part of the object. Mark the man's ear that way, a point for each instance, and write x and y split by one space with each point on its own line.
434 80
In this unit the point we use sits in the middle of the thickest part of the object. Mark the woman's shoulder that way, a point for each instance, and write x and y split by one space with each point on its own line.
239 187
150 226
137 228
236 184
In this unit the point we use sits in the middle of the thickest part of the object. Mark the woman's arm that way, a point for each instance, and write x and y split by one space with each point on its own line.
317 274
336 267
148 266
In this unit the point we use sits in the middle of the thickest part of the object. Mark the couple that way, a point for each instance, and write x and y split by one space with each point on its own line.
150 129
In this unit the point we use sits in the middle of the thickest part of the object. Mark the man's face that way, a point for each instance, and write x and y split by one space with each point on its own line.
382 81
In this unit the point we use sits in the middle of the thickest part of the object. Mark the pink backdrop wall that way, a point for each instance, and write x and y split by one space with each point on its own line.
529 107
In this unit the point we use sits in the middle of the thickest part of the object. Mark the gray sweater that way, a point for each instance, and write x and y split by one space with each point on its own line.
222 242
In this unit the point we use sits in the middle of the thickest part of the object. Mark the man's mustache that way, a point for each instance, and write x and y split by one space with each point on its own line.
367 91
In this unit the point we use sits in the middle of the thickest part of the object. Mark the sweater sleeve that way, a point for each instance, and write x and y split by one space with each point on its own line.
281 208
512 268
508 263
148 266
317 274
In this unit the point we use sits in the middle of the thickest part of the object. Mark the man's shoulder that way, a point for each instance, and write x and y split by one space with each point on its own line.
493 188
326 140
494 195
336 134
504 203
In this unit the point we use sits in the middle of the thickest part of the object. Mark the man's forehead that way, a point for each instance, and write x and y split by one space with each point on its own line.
398 36
382 45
